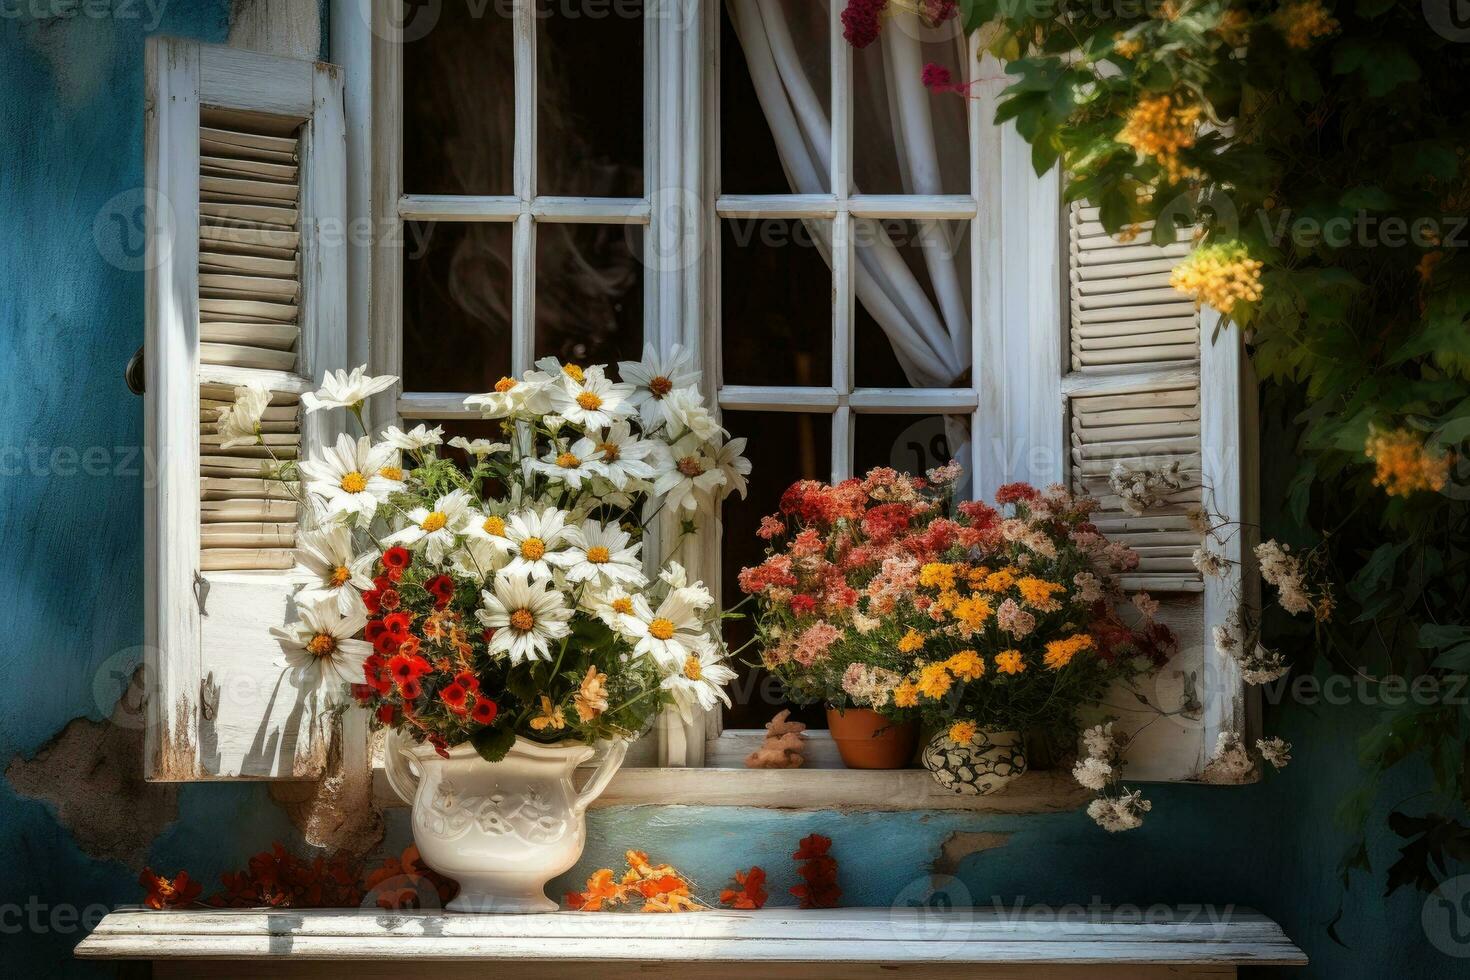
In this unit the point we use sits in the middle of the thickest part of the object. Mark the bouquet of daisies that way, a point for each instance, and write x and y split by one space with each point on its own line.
510 596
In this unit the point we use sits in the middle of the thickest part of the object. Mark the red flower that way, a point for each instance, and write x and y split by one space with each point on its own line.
406 667
467 680
803 604
165 894
441 587
818 872
484 710
440 746
860 21
1011 493
454 697
395 560
812 846
410 689
748 891
397 624
771 527
389 599
386 713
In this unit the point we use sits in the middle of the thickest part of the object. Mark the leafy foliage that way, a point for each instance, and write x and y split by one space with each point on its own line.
1330 139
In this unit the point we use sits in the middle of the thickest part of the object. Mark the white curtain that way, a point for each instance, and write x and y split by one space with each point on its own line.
906 140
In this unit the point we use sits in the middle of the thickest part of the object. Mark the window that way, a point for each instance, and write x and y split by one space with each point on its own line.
868 273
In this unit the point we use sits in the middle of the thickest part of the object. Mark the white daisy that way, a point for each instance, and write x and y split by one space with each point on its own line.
342 576
686 412
320 649
602 555
348 478
438 528
614 606
656 377
677 579
239 424
415 439
735 467
698 682
538 542
571 465
595 403
525 617
479 447
512 397
694 472
621 456
343 390
669 633
478 558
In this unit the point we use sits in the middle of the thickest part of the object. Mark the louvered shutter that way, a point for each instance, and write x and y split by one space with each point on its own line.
1150 382
246 282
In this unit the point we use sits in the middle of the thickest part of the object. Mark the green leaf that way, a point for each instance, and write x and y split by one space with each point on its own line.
1383 65
493 743
1367 199
1433 636
974 13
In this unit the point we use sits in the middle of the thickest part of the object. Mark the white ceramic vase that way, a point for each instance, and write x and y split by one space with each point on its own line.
501 829
978 768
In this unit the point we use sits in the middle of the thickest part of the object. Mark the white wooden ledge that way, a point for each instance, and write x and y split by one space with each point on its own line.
1152 943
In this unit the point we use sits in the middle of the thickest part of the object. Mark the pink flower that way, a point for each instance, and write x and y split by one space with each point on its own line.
771 527
814 642
1014 620
860 24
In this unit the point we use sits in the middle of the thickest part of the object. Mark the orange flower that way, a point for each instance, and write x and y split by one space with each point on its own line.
748 891
603 892
165 894
818 872
1404 463
1010 662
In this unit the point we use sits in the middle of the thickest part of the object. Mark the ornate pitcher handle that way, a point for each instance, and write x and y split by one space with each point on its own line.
399 769
601 776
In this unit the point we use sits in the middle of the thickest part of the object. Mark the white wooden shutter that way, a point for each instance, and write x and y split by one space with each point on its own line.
245 154
1150 381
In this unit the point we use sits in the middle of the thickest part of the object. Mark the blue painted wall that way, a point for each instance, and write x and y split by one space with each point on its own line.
71 309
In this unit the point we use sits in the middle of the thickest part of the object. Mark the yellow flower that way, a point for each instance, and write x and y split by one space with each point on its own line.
905 695
591 697
937 575
972 612
963 732
1126 47
551 716
1010 662
967 665
1059 653
1038 591
1303 22
1405 463
934 681
912 642
1219 276
999 581
1159 126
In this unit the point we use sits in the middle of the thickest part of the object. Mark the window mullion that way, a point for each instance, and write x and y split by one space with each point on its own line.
523 248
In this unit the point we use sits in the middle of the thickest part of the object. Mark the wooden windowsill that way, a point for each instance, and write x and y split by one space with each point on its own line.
1039 791
1156 942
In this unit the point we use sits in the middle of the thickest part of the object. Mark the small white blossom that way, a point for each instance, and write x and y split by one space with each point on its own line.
239 424
1093 773
1274 750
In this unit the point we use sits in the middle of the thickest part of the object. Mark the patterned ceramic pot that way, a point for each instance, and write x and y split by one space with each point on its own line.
502 829
983 766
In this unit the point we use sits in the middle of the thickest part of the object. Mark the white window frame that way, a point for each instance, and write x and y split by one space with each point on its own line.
1016 399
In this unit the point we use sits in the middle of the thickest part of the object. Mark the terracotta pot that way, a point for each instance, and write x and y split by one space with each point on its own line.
867 740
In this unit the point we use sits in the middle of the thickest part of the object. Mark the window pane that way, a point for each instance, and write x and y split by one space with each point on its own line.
799 93
589 292
907 139
776 304
589 98
926 264
458 98
783 448
471 429
908 443
456 305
